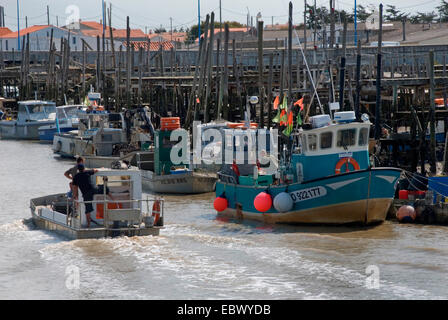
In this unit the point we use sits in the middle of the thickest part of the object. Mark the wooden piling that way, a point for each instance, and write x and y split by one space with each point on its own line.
432 127
260 74
209 69
378 79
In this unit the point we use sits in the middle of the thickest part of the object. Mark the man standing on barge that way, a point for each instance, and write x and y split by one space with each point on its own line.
82 181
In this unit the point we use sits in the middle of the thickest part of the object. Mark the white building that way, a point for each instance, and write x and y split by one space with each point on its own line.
40 39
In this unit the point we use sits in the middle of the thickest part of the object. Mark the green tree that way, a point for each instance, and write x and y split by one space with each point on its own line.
423 17
160 30
443 11
192 32
393 14
350 17
362 13
317 17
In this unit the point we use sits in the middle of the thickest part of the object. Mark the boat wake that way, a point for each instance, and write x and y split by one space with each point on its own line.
187 261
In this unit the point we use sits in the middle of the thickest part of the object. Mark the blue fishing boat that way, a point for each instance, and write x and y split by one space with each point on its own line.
67 119
326 179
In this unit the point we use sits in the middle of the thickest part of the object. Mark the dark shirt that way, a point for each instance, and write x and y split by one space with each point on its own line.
82 180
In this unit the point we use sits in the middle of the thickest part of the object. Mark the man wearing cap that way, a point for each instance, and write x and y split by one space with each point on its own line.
71 173
82 181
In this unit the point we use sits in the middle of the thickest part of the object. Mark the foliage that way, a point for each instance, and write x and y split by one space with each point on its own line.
443 11
423 17
393 14
192 32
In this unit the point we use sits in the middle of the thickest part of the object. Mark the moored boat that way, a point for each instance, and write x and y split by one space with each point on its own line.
126 215
327 179
160 175
67 119
96 135
31 116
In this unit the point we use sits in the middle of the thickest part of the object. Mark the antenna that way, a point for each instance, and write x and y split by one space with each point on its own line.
18 26
199 21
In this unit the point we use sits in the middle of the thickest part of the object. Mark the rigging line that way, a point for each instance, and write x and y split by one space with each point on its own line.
307 67
132 13
82 18
29 18
415 187
136 24
415 174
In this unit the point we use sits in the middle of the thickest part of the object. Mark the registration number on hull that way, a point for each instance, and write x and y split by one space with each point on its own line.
308 194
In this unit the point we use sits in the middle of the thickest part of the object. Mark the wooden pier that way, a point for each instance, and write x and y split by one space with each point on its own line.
213 80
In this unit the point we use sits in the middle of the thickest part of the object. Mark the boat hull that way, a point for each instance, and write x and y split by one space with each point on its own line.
21 131
106 162
94 233
46 135
188 183
360 197
344 213
70 145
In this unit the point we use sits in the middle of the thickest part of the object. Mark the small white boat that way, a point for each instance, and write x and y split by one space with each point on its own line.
31 116
97 134
127 215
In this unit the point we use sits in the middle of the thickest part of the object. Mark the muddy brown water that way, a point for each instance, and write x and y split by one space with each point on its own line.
200 256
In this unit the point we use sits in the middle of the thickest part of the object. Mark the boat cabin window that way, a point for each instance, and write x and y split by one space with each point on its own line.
114 181
346 138
115 121
312 142
37 111
326 140
301 143
68 112
363 136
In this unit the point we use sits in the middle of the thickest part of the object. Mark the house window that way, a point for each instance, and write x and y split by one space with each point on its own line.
6 45
74 40
326 140
346 138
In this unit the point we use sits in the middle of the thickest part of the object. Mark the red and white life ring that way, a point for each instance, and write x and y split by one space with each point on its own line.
346 161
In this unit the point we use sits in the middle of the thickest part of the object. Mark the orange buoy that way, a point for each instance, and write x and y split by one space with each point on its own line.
220 204
263 202
406 214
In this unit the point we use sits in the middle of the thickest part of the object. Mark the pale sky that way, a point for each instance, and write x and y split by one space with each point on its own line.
152 14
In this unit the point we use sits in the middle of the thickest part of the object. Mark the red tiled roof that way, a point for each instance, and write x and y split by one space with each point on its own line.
93 33
177 36
24 32
118 33
155 46
218 30
4 31
135 33
93 24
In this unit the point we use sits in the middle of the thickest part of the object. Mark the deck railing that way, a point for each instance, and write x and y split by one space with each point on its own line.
105 203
